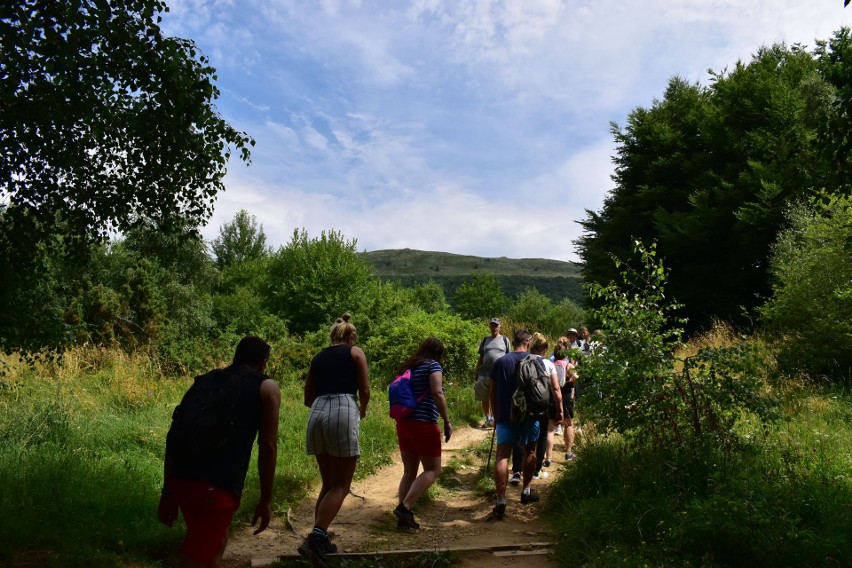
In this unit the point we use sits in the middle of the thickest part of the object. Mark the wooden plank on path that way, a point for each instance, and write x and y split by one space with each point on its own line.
539 552
500 549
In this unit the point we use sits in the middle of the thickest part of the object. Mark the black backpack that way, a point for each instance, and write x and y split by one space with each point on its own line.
532 398
204 421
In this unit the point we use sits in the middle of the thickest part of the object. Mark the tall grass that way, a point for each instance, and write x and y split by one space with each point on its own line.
784 498
81 447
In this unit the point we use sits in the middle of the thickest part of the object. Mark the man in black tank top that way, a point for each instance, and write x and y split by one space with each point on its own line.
206 484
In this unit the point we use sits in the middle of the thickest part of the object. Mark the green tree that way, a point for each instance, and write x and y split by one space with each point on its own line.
240 240
835 63
397 338
103 121
706 172
312 281
480 298
811 303
430 297
531 309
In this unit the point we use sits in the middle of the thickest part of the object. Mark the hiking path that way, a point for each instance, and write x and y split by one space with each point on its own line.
456 518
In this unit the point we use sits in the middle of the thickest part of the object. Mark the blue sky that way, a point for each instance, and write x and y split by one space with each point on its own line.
466 126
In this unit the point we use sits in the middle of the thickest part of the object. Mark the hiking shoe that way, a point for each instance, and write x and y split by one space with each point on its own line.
488 424
569 456
499 511
315 547
405 518
546 463
516 478
531 497
540 475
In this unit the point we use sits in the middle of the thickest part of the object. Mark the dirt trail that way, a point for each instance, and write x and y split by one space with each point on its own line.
455 518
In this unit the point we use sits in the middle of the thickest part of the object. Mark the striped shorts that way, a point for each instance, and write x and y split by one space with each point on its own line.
333 426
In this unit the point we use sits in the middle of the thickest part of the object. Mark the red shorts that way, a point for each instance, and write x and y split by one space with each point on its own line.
421 438
207 511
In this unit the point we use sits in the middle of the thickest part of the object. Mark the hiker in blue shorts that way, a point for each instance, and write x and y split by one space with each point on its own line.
503 385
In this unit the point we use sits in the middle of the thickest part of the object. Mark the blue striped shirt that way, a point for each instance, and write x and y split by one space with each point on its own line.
427 410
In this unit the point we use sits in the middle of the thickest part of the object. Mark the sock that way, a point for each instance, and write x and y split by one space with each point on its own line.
319 531
501 500
526 491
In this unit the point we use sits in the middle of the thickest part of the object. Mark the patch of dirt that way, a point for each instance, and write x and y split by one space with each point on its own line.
455 518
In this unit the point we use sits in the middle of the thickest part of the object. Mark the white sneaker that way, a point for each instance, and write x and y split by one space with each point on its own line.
558 431
540 475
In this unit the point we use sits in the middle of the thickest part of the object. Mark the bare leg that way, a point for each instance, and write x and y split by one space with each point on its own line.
551 427
568 435
501 469
336 480
411 488
529 464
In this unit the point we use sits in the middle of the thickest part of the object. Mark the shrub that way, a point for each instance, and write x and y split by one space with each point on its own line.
389 346
811 304
634 387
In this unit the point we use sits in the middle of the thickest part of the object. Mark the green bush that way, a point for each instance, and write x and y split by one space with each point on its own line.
811 303
784 499
634 386
388 347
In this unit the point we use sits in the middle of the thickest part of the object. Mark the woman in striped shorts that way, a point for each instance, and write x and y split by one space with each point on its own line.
338 374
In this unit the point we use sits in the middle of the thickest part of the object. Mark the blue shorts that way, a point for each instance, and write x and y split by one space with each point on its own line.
526 433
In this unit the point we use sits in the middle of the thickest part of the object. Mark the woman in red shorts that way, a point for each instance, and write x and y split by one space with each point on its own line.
418 433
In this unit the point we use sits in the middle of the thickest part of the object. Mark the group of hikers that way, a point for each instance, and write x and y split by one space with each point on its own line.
209 445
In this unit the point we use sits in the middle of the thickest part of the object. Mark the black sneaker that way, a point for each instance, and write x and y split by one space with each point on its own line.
405 518
531 497
315 547
498 512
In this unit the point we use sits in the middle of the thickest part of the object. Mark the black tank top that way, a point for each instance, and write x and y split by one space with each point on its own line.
228 469
333 371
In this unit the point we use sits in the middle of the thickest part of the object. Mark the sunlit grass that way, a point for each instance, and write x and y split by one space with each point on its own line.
82 441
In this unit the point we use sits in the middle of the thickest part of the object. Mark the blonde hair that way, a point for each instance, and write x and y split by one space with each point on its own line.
538 344
342 330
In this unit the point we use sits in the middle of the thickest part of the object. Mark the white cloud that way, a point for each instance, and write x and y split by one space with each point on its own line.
449 124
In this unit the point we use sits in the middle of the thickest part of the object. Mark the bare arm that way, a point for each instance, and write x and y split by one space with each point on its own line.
493 397
167 509
310 390
436 381
267 442
476 368
363 379
557 396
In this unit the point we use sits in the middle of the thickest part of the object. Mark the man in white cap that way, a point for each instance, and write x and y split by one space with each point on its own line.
491 348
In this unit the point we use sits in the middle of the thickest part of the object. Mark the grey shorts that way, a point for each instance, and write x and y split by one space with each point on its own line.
482 388
333 426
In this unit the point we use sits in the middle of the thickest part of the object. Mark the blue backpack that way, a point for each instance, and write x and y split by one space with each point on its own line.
401 397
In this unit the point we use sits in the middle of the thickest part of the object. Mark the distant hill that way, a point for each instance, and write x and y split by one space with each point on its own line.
553 278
